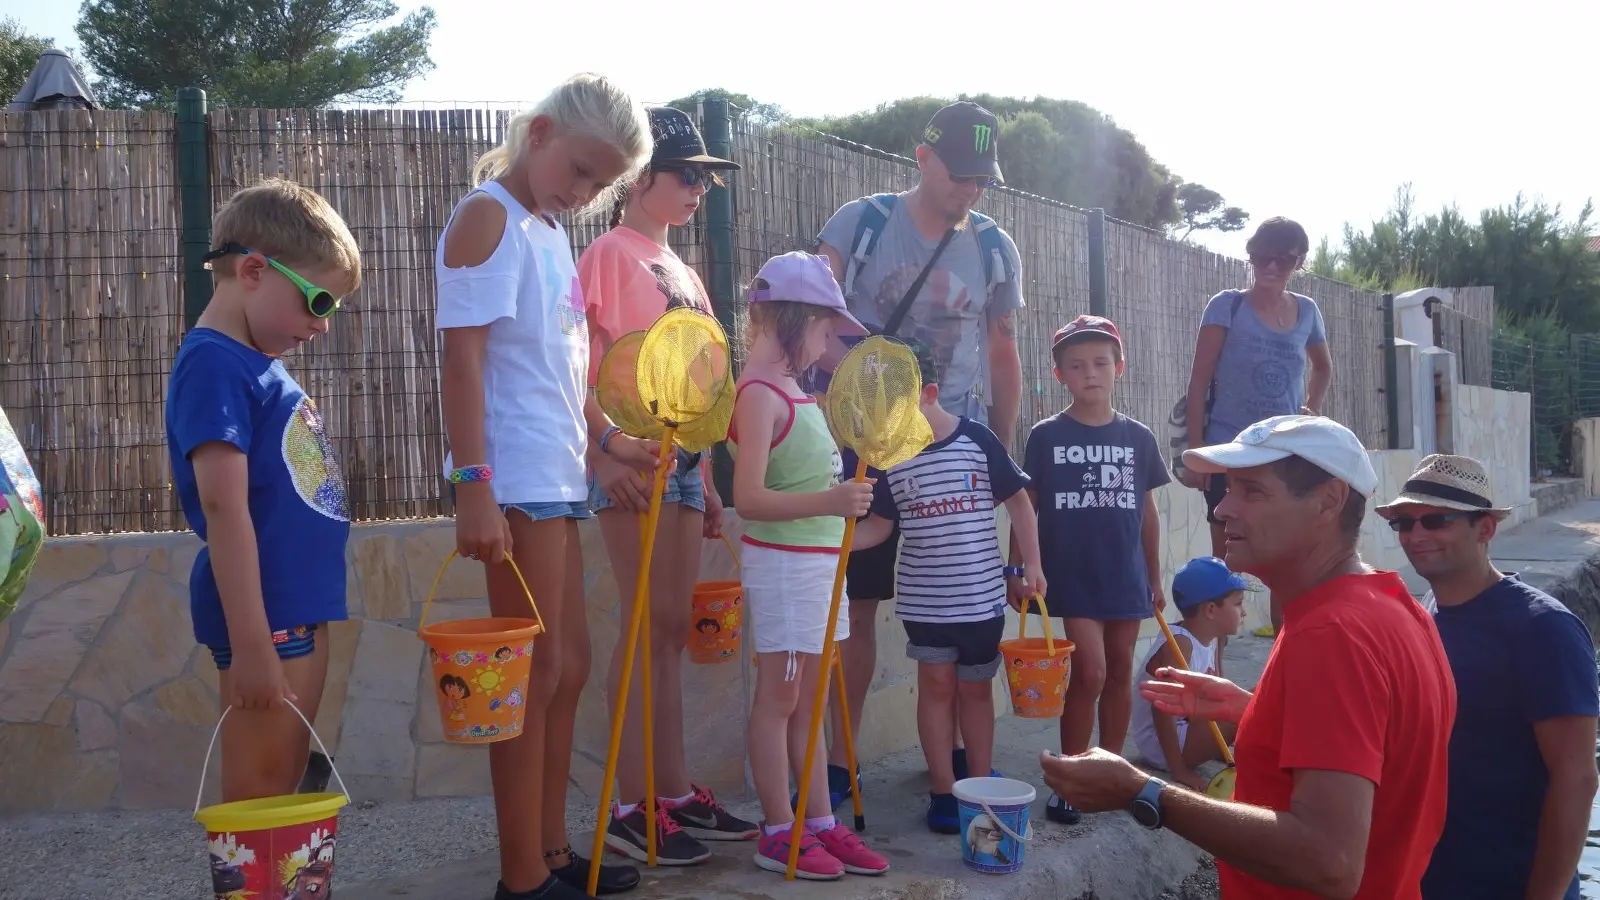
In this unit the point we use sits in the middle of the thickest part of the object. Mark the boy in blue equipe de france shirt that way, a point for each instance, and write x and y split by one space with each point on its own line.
257 477
1094 471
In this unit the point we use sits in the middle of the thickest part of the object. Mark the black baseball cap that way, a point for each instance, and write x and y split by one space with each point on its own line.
965 136
678 142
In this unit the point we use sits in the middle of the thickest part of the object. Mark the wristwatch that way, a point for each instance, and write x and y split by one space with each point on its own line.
1013 572
1146 806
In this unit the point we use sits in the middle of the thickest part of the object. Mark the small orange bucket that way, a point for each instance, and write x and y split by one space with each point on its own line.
715 627
480 669
1036 668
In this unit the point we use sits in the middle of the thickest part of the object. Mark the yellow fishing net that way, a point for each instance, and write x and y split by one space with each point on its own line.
681 392
683 367
873 404
616 387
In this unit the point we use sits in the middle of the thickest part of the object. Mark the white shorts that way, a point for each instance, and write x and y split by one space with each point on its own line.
787 594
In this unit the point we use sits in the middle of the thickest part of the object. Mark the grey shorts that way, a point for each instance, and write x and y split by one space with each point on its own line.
685 485
974 647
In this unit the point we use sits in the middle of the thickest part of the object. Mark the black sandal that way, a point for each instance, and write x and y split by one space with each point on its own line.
613 879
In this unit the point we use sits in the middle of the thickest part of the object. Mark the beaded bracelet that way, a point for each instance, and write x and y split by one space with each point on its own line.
471 473
606 437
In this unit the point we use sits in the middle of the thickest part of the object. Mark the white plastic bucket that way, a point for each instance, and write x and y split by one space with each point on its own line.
994 823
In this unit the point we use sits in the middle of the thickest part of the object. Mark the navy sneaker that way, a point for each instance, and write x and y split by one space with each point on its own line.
838 787
944 816
1060 811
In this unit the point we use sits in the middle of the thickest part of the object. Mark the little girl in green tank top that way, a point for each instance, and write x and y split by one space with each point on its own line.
786 485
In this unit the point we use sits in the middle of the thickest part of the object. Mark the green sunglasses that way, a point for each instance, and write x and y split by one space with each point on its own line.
320 301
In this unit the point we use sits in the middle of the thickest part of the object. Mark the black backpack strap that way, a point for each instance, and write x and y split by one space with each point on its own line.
898 317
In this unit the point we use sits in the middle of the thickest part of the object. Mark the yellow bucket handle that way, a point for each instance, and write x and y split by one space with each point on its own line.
1022 623
206 764
440 577
732 552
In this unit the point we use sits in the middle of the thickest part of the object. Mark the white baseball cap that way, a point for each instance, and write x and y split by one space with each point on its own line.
1316 439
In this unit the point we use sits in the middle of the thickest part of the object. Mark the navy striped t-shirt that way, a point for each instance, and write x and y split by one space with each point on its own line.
944 499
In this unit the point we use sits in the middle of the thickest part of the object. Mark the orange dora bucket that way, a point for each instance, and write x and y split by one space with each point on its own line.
1036 668
716 625
480 669
272 848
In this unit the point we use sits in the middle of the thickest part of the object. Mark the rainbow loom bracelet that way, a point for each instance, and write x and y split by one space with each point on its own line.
471 473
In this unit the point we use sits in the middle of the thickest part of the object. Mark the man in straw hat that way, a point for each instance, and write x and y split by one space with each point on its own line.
1342 747
1522 768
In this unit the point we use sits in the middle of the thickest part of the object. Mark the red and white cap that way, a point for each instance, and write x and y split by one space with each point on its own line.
1082 325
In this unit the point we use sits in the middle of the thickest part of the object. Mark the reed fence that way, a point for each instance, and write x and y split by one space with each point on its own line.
91 292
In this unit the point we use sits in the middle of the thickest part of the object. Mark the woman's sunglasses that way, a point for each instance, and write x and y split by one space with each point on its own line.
1429 522
319 301
1282 261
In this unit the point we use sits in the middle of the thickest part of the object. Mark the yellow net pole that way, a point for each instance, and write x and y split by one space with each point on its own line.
635 626
1172 642
849 743
820 701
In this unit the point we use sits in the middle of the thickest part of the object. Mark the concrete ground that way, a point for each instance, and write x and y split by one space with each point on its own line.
1108 856
446 848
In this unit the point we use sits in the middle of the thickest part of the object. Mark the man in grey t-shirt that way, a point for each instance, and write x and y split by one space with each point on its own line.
964 311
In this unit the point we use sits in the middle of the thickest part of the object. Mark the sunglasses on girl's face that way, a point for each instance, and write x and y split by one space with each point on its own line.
1429 522
1282 261
320 302
693 175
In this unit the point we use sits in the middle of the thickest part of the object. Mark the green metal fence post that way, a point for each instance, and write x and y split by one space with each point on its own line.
194 195
718 128
1099 303
1391 375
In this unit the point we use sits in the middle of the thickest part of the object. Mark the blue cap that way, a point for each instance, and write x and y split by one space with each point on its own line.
1205 579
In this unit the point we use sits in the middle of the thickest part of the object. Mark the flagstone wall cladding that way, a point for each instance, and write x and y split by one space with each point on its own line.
106 702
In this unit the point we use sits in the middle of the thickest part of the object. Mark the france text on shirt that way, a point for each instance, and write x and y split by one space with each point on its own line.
1116 485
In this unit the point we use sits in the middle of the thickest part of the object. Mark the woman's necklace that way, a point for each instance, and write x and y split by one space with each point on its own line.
1280 313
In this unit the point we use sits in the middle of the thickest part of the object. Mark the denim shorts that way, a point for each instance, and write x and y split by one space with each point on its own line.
550 509
542 510
685 485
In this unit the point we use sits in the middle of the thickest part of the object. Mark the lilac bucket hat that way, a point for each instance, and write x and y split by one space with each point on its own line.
803 278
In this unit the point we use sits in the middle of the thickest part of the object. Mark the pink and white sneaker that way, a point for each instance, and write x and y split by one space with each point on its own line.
815 863
851 851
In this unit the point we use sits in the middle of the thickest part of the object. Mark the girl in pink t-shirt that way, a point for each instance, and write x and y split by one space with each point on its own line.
630 277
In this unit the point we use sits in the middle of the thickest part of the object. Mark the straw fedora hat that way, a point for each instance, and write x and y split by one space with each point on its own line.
1447 482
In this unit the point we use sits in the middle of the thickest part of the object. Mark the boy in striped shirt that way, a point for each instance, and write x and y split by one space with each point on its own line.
950 590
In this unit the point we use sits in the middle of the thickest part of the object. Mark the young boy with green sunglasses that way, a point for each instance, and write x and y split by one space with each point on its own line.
258 479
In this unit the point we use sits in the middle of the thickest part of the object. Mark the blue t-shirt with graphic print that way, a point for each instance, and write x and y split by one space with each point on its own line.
1092 483
224 391
952 309
1261 371
944 499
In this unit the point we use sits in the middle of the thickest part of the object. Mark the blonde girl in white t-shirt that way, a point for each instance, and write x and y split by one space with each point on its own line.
516 353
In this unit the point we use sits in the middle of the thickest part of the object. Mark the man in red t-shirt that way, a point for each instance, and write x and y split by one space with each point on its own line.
1342 749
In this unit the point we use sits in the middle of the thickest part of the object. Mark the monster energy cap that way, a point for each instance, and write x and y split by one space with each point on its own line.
965 135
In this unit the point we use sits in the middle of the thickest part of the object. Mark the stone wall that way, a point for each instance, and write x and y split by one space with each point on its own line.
105 702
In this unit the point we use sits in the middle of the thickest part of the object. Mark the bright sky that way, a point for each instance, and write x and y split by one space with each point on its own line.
1319 116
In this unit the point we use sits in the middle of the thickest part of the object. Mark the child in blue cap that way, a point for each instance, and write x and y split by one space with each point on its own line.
1211 599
